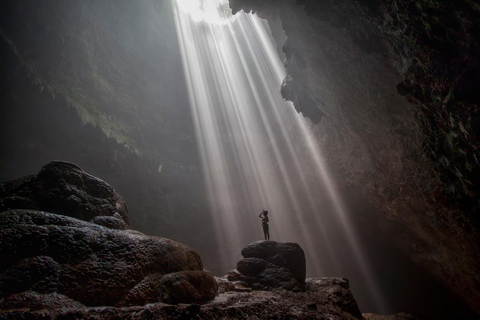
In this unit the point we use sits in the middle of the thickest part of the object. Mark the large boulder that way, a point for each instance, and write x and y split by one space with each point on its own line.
64 188
44 253
270 265
288 255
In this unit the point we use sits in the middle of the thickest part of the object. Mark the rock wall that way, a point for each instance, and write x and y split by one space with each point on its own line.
391 86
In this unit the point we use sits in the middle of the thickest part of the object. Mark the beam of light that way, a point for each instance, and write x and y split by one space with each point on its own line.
252 143
211 11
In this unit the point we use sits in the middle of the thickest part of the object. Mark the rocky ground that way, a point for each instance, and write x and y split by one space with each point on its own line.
326 302
55 266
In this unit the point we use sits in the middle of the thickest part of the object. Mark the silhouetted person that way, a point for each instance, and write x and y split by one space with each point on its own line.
264 216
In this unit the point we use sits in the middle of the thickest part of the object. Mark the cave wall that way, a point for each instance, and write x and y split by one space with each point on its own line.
393 86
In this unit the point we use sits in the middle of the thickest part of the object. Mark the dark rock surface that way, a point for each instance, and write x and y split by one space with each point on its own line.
58 267
188 287
38 301
398 316
64 188
325 298
288 255
269 265
49 258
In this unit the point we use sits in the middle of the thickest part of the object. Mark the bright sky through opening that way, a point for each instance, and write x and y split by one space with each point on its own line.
257 151
211 11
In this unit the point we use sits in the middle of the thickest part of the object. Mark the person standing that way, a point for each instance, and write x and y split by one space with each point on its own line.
264 216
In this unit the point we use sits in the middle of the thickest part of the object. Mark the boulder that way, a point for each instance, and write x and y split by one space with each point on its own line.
64 188
336 291
269 265
79 261
188 287
288 255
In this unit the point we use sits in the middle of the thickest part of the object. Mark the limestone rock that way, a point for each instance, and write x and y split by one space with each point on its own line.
64 188
38 301
188 287
317 284
289 255
270 265
337 291
224 285
325 302
398 316
95 266
110 222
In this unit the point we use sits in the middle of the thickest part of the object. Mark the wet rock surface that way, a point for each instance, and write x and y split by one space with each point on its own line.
64 188
47 253
270 265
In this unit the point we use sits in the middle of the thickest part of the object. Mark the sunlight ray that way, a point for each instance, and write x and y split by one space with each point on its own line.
247 133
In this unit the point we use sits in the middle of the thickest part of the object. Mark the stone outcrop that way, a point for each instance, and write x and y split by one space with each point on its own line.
270 265
53 260
64 188
44 254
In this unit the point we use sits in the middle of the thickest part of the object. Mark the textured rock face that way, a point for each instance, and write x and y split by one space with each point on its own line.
398 316
288 255
48 259
188 287
64 188
270 265
350 65
321 298
324 298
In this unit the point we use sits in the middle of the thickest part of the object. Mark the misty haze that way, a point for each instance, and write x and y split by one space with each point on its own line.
354 124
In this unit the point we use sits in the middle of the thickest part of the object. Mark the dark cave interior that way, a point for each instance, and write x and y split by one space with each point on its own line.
390 92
